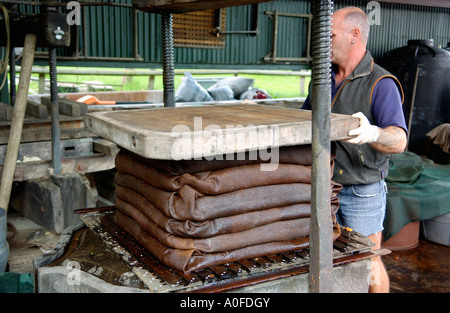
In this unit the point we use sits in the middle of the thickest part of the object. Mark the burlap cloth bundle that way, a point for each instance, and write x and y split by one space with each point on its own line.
191 220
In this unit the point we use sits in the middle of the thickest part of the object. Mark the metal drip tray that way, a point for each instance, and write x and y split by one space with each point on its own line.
157 277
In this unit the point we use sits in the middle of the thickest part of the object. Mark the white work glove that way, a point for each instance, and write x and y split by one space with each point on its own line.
365 133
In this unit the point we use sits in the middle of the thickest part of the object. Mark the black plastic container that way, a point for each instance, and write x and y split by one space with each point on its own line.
425 69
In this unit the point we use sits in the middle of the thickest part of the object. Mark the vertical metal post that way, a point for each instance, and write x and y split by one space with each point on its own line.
321 228
54 107
168 60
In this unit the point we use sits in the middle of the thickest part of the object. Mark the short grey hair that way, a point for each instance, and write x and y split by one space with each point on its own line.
356 18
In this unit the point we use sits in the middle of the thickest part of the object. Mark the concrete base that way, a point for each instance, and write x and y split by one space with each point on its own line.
348 278
62 279
22 250
51 202
100 265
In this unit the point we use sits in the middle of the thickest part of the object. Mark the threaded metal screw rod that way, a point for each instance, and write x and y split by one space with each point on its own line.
321 228
168 60
54 107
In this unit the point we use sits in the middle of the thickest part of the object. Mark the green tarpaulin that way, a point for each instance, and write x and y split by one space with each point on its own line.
418 189
16 283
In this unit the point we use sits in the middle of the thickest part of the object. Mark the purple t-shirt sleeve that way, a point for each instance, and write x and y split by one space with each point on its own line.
386 105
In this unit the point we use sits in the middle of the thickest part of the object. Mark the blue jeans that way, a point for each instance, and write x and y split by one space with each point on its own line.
362 207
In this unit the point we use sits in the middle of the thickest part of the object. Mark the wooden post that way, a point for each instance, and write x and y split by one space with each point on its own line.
41 83
302 85
151 82
17 121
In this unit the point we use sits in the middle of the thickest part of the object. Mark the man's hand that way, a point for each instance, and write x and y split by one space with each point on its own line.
365 133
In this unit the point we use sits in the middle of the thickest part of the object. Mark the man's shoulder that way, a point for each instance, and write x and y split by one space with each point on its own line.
387 80
380 71
386 86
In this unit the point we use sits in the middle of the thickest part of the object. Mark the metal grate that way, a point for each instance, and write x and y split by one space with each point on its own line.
157 277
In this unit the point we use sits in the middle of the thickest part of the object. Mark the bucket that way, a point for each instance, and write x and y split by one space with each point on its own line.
406 239
437 229
4 247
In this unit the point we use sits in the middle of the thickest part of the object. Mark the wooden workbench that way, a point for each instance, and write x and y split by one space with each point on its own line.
206 131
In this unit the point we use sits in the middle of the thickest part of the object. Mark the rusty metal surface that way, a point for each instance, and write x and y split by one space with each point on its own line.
349 247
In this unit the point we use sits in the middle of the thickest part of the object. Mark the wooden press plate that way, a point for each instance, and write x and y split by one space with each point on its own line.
181 6
206 131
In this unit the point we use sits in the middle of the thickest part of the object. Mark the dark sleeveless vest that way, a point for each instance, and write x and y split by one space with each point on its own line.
360 164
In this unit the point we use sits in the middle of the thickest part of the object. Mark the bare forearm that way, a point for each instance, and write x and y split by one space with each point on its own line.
391 139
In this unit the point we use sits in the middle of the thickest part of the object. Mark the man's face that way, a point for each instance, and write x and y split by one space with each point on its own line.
340 40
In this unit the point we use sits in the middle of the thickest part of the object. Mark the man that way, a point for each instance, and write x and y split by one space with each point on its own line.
366 91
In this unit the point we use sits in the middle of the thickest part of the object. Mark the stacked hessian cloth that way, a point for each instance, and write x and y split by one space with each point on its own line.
193 214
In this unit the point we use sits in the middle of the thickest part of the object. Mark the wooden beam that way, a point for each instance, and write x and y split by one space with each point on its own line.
36 110
182 6
82 165
68 107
